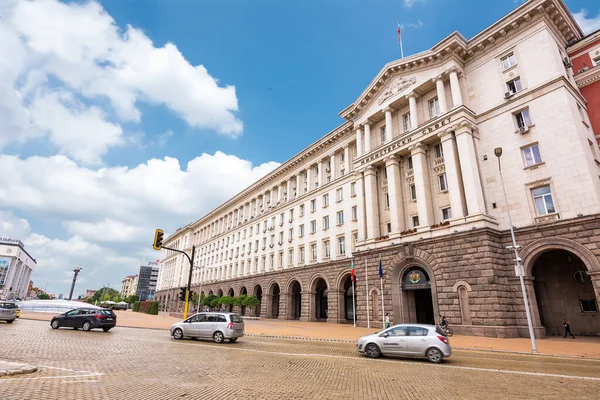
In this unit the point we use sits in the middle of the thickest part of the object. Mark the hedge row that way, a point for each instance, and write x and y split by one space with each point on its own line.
147 307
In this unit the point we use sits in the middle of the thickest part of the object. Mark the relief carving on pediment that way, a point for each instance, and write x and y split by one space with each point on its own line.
397 85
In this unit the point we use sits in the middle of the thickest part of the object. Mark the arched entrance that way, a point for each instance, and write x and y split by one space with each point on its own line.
417 297
321 305
295 300
563 290
273 307
230 293
258 295
220 293
243 290
349 306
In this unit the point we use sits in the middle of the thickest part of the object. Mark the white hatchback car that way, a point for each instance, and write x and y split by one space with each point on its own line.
413 340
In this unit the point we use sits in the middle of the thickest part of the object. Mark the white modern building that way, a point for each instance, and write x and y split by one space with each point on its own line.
412 176
147 279
16 267
129 285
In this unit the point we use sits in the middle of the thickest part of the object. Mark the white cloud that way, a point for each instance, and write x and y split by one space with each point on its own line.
110 214
78 48
410 3
588 24
415 25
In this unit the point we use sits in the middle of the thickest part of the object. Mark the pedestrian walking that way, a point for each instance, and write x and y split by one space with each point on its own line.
567 329
387 320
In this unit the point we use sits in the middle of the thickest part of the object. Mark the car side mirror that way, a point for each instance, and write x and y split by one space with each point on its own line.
385 335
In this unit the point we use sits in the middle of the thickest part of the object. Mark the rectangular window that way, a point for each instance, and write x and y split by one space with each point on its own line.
542 198
325 200
291 215
442 182
301 210
389 228
406 122
355 237
413 192
313 205
272 240
291 257
343 156
354 213
387 200
256 247
410 163
342 245
249 247
514 85
326 222
523 119
313 252
340 217
301 230
532 155
280 237
291 234
326 249
353 189
280 259
588 306
434 107
281 217
313 226
301 254
439 151
339 194
382 133
446 213
596 61
508 61
415 221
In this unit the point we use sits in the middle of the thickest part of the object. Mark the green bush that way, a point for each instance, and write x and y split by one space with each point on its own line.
215 302
239 301
136 306
208 300
43 296
250 301
226 300
145 306
153 308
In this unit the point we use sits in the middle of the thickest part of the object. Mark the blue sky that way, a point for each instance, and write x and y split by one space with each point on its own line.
99 121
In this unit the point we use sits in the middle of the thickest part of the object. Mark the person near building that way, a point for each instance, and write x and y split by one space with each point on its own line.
567 329
387 320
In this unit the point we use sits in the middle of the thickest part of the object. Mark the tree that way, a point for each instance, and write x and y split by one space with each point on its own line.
194 298
153 308
43 296
239 301
251 302
104 294
132 299
208 300
226 300
215 302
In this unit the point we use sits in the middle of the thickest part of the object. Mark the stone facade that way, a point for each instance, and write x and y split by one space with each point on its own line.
412 177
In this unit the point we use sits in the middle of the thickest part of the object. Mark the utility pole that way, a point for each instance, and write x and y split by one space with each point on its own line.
76 272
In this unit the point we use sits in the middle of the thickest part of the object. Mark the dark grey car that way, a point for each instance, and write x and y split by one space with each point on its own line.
217 326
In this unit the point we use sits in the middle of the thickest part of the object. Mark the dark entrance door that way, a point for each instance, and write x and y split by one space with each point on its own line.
321 301
275 302
424 306
296 301
348 300
259 297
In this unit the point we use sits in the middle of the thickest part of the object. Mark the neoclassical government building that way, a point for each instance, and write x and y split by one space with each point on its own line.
411 176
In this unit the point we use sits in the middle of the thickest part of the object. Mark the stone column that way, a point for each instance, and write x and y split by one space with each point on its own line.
469 168
412 106
422 186
358 141
455 88
309 178
279 192
441 94
298 185
453 176
367 143
320 174
388 124
289 190
347 159
394 193
332 162
371 203
362 224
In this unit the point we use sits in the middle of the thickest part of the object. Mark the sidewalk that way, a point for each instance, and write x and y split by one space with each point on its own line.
580 347
11 368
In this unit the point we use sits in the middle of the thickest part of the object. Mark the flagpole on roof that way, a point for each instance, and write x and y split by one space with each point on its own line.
400 41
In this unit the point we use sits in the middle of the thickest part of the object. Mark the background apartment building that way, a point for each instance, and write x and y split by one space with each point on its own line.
412 177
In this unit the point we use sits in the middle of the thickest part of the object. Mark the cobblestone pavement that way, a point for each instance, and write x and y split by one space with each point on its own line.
128 363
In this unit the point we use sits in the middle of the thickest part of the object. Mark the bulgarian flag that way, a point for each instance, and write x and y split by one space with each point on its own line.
352 271
399 37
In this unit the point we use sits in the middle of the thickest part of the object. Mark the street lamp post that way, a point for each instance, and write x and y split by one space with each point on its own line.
515 247
76 271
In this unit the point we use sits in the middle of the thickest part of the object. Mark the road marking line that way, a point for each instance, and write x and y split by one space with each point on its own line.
504 371
52 377
88 380
63 369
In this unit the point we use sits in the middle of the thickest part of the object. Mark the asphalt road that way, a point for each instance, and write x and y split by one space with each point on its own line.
128 363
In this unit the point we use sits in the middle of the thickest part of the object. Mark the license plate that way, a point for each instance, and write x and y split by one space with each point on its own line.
238 330
109 319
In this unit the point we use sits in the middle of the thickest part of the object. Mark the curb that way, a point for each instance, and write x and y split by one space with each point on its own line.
27 369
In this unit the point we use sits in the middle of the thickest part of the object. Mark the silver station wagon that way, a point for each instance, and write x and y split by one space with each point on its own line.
217 326
413 340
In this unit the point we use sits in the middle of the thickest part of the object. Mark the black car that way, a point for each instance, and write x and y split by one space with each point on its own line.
86 319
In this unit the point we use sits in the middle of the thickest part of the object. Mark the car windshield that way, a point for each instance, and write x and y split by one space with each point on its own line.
8 306
236 318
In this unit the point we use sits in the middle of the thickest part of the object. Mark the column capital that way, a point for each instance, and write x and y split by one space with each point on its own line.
370 170
391 160
412 94
440 77
454 70
358 128
417 148
464 127
365 124
358 172
446 134
388 109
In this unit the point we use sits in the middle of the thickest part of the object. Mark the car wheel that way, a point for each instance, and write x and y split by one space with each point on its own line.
86 326
373 350
106 329
10 322
178 334
232 340
55 324
434 355
218 337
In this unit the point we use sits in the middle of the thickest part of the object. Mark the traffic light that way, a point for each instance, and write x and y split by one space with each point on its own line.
182 291
158 239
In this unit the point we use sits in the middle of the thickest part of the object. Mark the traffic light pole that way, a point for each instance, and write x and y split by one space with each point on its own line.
189 284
